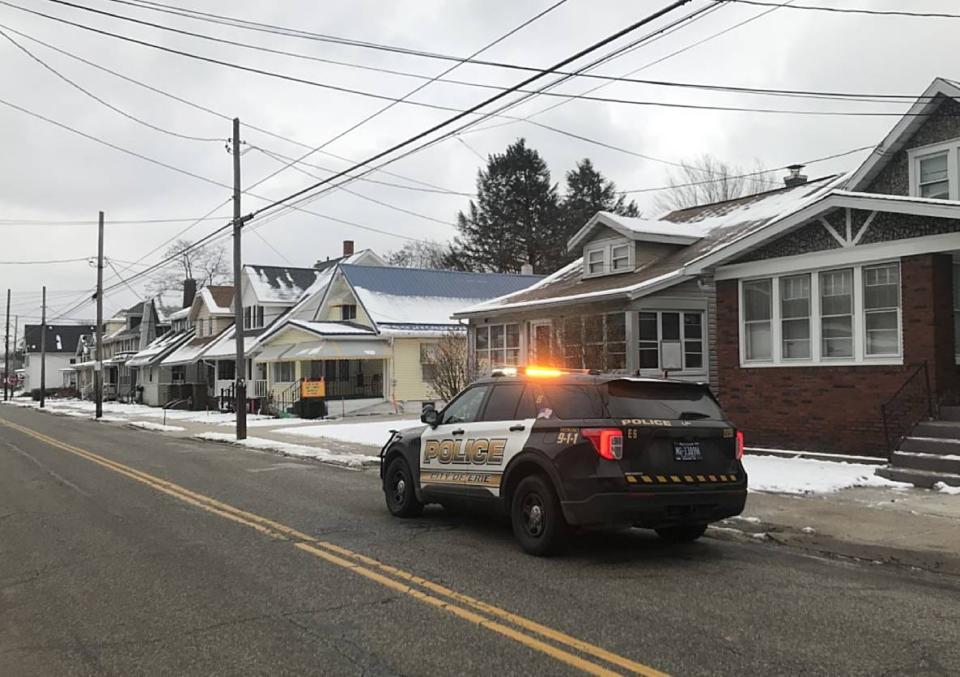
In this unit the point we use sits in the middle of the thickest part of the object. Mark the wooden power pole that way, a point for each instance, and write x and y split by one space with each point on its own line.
43 350
98 356
240 368
6 351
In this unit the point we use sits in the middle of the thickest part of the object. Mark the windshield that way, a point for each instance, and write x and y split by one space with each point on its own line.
637 399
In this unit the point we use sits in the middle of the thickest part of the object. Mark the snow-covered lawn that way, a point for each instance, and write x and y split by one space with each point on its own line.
295 450
158 427
85 408
808 476
371 433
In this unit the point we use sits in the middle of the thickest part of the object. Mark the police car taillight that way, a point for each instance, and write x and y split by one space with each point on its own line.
607 441
739 444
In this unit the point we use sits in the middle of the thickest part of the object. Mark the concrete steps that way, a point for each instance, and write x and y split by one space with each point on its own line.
930 454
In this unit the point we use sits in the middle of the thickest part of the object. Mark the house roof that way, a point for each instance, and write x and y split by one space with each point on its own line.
279 284
159 348
722 224
646 230
218 299
60 338
394 295
926 104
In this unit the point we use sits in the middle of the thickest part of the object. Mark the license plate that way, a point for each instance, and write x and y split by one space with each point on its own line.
686 451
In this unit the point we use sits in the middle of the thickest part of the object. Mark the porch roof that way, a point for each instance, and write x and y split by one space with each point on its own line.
159 348
369 348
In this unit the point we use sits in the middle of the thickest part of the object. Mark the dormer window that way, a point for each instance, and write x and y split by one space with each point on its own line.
935 171
607 258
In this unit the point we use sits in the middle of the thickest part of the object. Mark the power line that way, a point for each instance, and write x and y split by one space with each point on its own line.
43 262
102 101
853 10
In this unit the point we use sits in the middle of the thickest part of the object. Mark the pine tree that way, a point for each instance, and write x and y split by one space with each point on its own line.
516 216
588 192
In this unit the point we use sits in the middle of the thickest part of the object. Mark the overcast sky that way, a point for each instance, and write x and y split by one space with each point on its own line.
48 173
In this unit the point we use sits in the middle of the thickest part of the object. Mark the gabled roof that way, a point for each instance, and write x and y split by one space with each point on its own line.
399 296
644 230
159 348
217 298
939 90
60 338
279 284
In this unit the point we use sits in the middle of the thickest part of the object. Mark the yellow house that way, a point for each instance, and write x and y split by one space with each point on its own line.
369 334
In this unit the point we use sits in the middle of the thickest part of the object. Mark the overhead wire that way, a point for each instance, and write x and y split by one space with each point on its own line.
854 10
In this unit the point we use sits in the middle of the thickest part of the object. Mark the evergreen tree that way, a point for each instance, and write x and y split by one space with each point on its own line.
516 216
588 192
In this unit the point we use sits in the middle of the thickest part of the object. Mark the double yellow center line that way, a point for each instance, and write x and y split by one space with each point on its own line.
554 643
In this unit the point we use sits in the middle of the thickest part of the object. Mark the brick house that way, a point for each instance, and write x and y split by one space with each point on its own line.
825 300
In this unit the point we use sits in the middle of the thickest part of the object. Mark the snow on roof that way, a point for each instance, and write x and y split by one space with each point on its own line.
188 352
656 227
159 348
225 346
722 223
421 330
395 295
338 328
218 299
181 314
278 284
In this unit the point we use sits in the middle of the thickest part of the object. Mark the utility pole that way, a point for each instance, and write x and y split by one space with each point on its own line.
240 367
43 350
98 356
6 351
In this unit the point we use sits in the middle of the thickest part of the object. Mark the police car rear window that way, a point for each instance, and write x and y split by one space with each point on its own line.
637 399
569 402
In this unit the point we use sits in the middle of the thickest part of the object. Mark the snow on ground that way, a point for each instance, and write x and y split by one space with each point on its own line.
83 408
945 488
807 476
295 450
159 427
371 433
263 422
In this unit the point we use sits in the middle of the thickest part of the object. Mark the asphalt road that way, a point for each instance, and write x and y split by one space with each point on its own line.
129 552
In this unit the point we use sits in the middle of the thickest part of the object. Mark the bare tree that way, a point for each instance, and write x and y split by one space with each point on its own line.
425 254
447 359
207 265
708 179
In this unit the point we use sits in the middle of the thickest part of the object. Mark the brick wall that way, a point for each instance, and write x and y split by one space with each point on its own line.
837 409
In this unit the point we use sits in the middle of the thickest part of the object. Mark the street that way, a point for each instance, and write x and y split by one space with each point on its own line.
127 552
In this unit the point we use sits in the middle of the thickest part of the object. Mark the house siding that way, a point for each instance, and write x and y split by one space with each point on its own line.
942 125
837 409
406 379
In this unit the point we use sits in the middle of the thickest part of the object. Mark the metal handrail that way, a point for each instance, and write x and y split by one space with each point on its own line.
885 407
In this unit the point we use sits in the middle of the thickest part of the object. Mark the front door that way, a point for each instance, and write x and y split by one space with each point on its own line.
541 342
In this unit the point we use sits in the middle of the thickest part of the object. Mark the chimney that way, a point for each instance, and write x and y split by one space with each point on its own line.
189 292
526 269
348 247
794 178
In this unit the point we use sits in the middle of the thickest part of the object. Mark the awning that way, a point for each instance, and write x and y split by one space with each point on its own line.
326 350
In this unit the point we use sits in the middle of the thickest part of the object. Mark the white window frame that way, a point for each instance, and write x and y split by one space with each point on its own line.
952 150
605 249
859 358
253 317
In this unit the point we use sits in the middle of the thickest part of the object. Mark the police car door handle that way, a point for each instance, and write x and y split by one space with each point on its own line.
516 428
458 431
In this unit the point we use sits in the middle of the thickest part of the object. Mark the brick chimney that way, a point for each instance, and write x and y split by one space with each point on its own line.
348 247
794 178
189 292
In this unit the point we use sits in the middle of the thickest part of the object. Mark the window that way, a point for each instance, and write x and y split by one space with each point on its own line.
595 341
848 315
178 374
226 370
595 261
620 257
497 345
348 312
606 258
757 315
466 406
253 317
670 340
795 316
933 177
428 367
836 313
503 401
284 372
881 309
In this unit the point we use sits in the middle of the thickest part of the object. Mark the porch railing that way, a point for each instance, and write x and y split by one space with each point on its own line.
912 402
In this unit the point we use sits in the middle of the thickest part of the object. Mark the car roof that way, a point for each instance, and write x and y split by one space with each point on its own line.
581 378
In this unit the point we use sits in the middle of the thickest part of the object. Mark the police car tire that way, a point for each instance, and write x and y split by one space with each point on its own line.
552 532
402 502
682 534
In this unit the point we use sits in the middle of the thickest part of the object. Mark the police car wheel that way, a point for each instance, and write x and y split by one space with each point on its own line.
536 517
682 534
398 490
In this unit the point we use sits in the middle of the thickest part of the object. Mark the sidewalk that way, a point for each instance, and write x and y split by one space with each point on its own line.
820 506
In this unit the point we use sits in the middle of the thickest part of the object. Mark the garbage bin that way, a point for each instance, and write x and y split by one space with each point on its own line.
312 407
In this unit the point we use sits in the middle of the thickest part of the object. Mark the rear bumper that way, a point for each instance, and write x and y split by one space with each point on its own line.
655 509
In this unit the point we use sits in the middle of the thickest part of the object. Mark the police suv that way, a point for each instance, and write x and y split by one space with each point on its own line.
554 449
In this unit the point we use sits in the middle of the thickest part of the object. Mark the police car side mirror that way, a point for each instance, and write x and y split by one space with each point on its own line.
430 417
